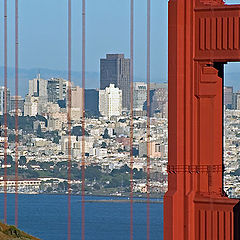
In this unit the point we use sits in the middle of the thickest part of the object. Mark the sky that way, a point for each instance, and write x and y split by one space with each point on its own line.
43 35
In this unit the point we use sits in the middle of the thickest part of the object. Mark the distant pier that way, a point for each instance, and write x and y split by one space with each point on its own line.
123 201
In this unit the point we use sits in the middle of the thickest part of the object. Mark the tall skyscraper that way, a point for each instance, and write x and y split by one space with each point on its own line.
2 100
139 95
76 103
236 101
56 89
92 102
110 101
158 99
228 97
115 69
38 87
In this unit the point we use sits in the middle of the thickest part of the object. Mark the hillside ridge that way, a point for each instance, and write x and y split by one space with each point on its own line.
9 232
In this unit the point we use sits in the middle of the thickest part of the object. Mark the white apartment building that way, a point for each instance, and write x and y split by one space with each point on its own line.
76 145
31 106
110 101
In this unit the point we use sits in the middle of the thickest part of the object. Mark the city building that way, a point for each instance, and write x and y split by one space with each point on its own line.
228 97
159 102
110 101
115 69
38 87
56 120
2 100
236 101
154 86
76 145
156 149
76 97
20 103
158 99
31 105
56 89
139 95
91 102
76 105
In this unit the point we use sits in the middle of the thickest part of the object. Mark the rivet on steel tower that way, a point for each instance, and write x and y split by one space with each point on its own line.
203 36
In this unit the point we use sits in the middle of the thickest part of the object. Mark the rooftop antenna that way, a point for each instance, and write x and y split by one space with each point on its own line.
39 74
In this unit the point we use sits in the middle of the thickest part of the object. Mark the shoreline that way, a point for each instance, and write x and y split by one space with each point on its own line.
122 201
124 197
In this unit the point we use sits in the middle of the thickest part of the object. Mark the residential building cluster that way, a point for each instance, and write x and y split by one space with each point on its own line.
44 134
44 139
231 156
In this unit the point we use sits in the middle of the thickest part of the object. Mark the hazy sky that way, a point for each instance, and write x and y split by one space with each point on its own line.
43 34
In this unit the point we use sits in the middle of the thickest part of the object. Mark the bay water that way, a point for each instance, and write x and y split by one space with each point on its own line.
46 217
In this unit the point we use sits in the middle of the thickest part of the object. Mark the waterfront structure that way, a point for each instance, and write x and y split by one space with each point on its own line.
115 69
2 100
27 185
202 37
110 101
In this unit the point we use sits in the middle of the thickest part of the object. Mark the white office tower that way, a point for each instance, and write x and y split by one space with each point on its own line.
139 95
38 87
110 101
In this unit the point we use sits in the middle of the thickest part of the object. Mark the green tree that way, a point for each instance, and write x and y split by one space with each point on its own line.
106 135
39 131
22 160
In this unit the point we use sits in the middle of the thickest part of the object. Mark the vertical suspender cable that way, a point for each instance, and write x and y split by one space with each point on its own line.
131 120
69 118
148 118
16 113
5 111
83 114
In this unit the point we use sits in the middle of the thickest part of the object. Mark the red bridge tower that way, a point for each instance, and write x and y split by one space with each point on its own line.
203 36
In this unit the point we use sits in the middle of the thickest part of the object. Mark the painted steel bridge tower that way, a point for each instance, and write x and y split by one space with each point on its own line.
203 36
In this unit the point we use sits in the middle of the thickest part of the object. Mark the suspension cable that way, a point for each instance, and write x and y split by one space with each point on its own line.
131 116
83 113
5 111
148 117
69 116
16 113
